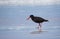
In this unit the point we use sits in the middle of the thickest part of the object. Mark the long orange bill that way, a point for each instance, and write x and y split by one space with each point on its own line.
28 18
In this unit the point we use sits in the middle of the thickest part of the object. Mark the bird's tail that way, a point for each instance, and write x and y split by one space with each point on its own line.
46 20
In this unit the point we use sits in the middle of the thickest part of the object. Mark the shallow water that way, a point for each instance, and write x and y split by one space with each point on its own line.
12 32
11 17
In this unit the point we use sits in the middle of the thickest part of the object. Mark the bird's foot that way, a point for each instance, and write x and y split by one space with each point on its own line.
40 30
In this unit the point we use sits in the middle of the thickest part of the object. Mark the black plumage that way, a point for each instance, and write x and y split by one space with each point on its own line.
38 20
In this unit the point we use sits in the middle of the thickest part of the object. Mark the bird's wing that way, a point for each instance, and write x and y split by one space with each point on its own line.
38 18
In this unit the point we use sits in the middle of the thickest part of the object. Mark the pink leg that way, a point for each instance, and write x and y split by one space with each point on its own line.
40 26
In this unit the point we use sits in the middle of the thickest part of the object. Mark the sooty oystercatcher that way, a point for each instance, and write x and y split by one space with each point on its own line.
38 20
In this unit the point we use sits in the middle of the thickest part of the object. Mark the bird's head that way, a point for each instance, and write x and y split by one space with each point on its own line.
30 17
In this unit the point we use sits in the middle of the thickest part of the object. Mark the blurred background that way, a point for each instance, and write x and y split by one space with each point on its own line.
13 15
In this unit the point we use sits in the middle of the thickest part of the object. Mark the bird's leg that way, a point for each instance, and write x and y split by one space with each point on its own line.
40 26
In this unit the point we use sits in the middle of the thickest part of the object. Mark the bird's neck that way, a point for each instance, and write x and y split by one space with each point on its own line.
32 17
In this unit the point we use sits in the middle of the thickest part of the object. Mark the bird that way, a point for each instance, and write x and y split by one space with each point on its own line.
38 20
